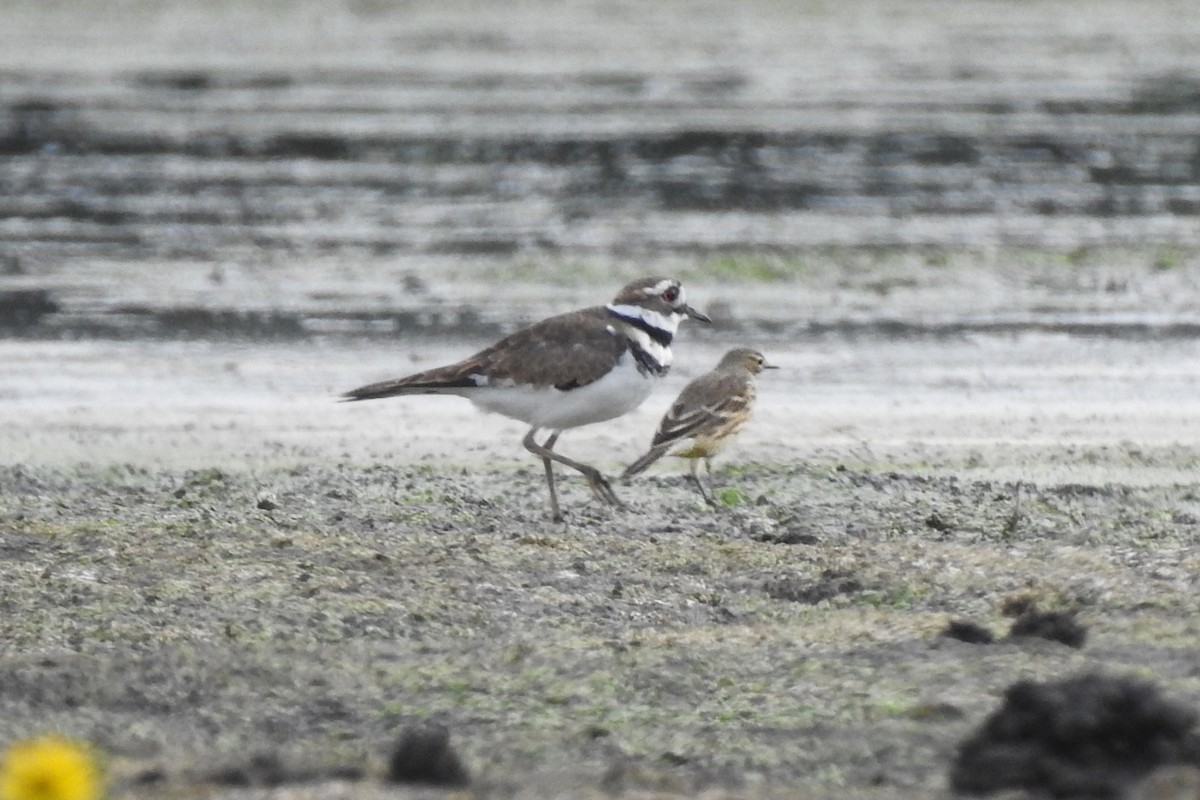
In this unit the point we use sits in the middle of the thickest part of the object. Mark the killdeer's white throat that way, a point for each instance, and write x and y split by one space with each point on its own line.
570 370
709 412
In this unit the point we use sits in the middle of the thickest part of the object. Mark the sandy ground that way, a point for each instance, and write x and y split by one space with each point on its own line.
1033 406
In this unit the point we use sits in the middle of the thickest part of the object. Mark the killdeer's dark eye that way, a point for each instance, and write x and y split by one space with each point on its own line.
671 294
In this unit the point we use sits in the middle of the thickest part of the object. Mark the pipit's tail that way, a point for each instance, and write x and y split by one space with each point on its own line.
652 455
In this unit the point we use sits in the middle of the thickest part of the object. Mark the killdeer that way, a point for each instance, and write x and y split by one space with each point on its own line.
573 369
710 411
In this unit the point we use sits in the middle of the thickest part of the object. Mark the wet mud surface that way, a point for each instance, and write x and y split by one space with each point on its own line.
966 233
190 620
339 166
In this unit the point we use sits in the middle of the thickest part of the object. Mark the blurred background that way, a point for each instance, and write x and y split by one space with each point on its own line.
363 167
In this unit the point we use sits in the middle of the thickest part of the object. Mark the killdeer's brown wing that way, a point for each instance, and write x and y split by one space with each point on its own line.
566 351
706 406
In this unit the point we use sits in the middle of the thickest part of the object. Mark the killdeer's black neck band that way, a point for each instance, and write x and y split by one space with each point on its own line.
646 362
656 333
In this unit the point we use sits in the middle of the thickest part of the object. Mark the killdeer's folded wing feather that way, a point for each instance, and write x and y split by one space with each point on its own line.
566 351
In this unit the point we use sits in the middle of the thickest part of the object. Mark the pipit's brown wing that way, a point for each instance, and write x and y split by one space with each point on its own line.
566 351
706 407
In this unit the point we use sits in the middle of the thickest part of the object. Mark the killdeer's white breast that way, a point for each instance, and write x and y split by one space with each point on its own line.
618 392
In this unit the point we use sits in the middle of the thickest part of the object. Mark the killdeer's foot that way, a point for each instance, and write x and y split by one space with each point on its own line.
603 489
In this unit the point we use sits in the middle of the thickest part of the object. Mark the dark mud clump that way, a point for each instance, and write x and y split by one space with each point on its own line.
1056 626
424 756
966 631
1088 736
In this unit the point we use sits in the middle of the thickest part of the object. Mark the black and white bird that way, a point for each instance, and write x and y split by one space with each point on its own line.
570 370
709 412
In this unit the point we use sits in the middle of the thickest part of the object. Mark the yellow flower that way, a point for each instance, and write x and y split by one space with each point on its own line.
49 768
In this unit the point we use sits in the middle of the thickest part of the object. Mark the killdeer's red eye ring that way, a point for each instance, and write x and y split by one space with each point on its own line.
671 294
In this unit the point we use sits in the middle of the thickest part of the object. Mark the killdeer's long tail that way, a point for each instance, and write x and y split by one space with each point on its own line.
436 381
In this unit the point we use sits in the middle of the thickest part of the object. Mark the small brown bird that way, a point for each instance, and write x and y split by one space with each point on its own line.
709 411
573 369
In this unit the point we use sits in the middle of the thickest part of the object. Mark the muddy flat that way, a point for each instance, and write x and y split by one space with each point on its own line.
966 233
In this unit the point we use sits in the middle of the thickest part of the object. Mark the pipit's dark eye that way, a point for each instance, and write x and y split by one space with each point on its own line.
671 294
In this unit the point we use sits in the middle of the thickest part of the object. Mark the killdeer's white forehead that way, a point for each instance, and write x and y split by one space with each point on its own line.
662 286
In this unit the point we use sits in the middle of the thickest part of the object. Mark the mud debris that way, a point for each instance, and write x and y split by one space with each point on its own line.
1087 736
